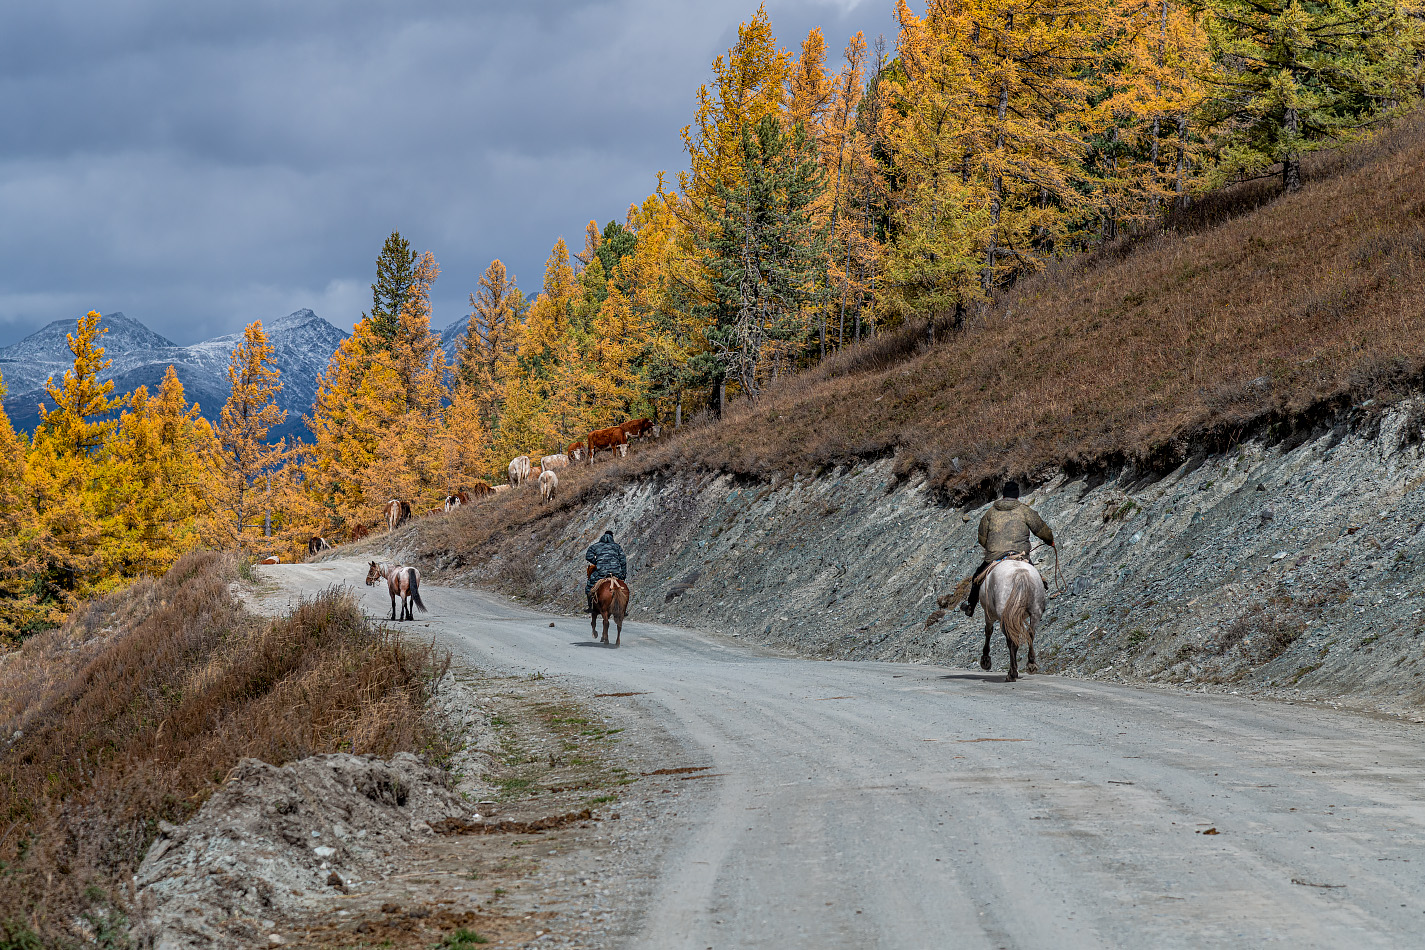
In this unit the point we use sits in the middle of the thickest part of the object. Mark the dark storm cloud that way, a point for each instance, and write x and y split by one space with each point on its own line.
201 165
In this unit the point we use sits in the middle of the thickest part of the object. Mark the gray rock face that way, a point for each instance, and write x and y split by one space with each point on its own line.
273 841
302 345
1174 579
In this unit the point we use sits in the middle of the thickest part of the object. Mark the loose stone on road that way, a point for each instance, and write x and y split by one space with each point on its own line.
852 804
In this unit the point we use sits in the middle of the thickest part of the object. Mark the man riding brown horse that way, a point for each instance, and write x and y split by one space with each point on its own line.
1004 531
607 560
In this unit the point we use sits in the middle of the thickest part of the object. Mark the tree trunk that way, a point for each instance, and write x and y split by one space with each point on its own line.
1182 162
678 412
1291 162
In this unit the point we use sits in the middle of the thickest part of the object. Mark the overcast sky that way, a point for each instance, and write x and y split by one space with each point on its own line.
199 165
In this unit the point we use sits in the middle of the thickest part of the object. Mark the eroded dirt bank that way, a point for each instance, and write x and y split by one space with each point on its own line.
1288 569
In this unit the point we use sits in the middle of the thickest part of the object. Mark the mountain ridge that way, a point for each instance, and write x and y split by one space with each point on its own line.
302 344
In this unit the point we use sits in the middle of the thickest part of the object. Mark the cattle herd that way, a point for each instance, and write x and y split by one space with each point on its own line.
522 471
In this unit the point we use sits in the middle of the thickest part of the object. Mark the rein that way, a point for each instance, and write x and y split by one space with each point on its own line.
1059 586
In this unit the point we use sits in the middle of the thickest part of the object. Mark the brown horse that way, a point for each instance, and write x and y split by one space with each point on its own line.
397 513
401 581
358 532
610 600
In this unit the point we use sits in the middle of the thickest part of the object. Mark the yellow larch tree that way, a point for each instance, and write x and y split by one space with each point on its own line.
547 322
68 467
421 366
156 494
21 612
487 351
240 497
359 400
748 84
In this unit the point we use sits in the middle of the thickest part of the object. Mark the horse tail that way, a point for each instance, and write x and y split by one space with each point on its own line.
415 579
1015 616
619 600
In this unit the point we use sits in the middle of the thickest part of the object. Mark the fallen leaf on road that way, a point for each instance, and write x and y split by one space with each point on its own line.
1210 831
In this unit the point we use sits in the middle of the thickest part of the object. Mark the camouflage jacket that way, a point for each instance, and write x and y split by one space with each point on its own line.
607 558
1005 528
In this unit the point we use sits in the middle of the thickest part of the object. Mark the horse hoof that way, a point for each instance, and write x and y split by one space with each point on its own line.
1032 668
1011 679
985 664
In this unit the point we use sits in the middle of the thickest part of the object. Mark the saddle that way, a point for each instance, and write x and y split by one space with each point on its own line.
1012 556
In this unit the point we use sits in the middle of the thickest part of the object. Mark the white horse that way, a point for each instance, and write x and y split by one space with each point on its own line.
1013 594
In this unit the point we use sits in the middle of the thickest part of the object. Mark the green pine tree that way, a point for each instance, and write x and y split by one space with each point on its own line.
765 257
395 272
1295 77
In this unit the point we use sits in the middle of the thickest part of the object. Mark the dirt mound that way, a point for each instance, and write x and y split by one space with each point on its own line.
278 841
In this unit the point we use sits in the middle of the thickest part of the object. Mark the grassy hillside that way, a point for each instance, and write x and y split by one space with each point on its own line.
1255 311
1137 353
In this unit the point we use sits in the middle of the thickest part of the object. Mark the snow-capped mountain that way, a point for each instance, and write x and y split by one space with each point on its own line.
450 338
302 344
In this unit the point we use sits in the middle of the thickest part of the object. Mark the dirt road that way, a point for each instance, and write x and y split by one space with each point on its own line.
898 806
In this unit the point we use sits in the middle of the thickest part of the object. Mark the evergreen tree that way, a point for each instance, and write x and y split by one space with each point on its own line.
765 257
1294 77
240 493
395 273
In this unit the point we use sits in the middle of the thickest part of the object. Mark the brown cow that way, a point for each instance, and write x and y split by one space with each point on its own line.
637 428
575 451
454 501
359 531
480 488
609 439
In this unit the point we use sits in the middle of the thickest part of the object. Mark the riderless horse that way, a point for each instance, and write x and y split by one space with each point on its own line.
397 513
1013 594
401 581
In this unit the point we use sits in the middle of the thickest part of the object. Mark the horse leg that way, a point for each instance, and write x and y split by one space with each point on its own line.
593 620
989 630
1033 665
393 606
606 629
1013 660
618 638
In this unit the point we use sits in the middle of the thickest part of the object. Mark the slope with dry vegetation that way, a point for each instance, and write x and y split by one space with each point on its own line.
1262 311
135 710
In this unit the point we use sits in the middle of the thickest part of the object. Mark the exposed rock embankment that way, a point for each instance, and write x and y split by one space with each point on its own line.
1290 568
274 842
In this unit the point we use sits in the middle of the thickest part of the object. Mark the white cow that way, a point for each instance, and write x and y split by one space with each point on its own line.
551 462
519 470
548 482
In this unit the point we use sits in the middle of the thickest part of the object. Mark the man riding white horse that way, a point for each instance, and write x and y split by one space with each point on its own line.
1004 531
607 558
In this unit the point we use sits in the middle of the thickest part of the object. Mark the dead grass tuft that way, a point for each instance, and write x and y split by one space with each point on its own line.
137 709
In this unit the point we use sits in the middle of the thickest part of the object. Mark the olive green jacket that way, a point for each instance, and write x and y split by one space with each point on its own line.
1006 526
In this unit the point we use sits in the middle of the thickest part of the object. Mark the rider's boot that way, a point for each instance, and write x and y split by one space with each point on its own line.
968 608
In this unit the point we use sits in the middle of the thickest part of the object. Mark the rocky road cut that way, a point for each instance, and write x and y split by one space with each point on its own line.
859 804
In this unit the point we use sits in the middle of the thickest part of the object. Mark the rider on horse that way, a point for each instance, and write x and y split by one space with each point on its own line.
608 561
1004 530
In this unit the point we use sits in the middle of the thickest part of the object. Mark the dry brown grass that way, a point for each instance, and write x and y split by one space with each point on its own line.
136 710
1261 312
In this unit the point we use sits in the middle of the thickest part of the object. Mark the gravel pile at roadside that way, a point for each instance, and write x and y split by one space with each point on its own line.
277 841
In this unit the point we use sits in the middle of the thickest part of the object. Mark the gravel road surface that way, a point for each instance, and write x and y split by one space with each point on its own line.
860 804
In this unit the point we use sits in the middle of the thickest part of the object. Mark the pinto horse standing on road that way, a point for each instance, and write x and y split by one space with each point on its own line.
401 581
1013 594
611 597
